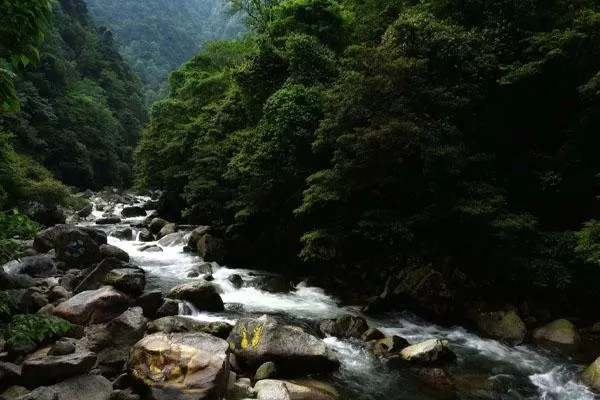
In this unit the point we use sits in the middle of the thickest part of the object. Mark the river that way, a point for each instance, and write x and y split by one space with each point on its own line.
485 369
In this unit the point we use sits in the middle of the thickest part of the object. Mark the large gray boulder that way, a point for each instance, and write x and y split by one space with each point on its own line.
123 233
165 230
561 332
107 250
202 295
156 225
211 248
39 370
505 326
37 266
255 341
93 306
428 352
181 366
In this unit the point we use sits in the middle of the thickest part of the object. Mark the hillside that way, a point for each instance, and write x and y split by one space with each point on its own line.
156 36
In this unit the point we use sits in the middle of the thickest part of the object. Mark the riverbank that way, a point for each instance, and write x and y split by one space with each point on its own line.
146 277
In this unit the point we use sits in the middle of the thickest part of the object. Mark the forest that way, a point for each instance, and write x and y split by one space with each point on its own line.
363 136
157 36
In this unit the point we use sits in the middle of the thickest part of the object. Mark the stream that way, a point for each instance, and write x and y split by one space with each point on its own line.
485 369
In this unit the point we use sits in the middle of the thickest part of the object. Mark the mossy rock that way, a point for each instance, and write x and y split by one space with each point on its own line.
560 331
591 376
26 332
505 326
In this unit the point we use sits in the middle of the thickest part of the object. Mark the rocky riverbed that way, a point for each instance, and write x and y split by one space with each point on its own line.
121 304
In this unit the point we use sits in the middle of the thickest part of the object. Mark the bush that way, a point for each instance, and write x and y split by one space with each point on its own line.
26 333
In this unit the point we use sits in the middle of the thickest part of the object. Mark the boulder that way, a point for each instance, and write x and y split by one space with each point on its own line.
181 366
98 235
560 331
240 389
435 378
275 284
372 334
44 240
107 250
270 389
133 212
236 280
131 280
123 234
10 281
255 341
165 230
202 295
37 266
127 328
178 323
156 225
76 248
85 211
297 390
172 239
168 308
505 326
389 345
150 205
195 235
150 302
109 220
591 376
85 387
345 326
211 248
93 306
43 369
93 279
62 347
428 352
267 370
145 236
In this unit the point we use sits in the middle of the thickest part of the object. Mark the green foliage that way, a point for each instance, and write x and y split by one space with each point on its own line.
14 226
22 25
25 333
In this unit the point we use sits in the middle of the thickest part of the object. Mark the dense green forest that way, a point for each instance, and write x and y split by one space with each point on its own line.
157 36
370 135
72 108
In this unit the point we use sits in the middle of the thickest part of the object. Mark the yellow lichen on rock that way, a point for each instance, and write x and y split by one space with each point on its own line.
256 335
244 343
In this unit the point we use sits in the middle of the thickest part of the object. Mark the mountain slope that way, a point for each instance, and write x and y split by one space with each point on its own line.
156 36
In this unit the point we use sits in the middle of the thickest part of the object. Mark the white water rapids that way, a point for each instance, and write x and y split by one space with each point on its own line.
485 369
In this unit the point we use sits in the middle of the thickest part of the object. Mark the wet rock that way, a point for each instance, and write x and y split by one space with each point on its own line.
37 266
62 347
150 205
172 239
236 280
157 224
428 352
202 295
169 308
389 345
123 234
506 326
211 248
93 306
44 240
76 248
93 279
195 236
131 281
107 250
145 236
255 341
276 284
372 334
178 323
133 212
109 220
98 235
151 249
345 326
267 370
240 389
86 210
51 369
150 302
165 230
181 366
435 378
560 331
591 376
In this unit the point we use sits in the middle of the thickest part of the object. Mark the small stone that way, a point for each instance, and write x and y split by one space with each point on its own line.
62 348
267 370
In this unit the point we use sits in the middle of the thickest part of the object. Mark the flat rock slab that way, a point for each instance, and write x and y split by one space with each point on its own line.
93 306
51 369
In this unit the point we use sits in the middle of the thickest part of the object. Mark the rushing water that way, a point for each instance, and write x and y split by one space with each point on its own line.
485 369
